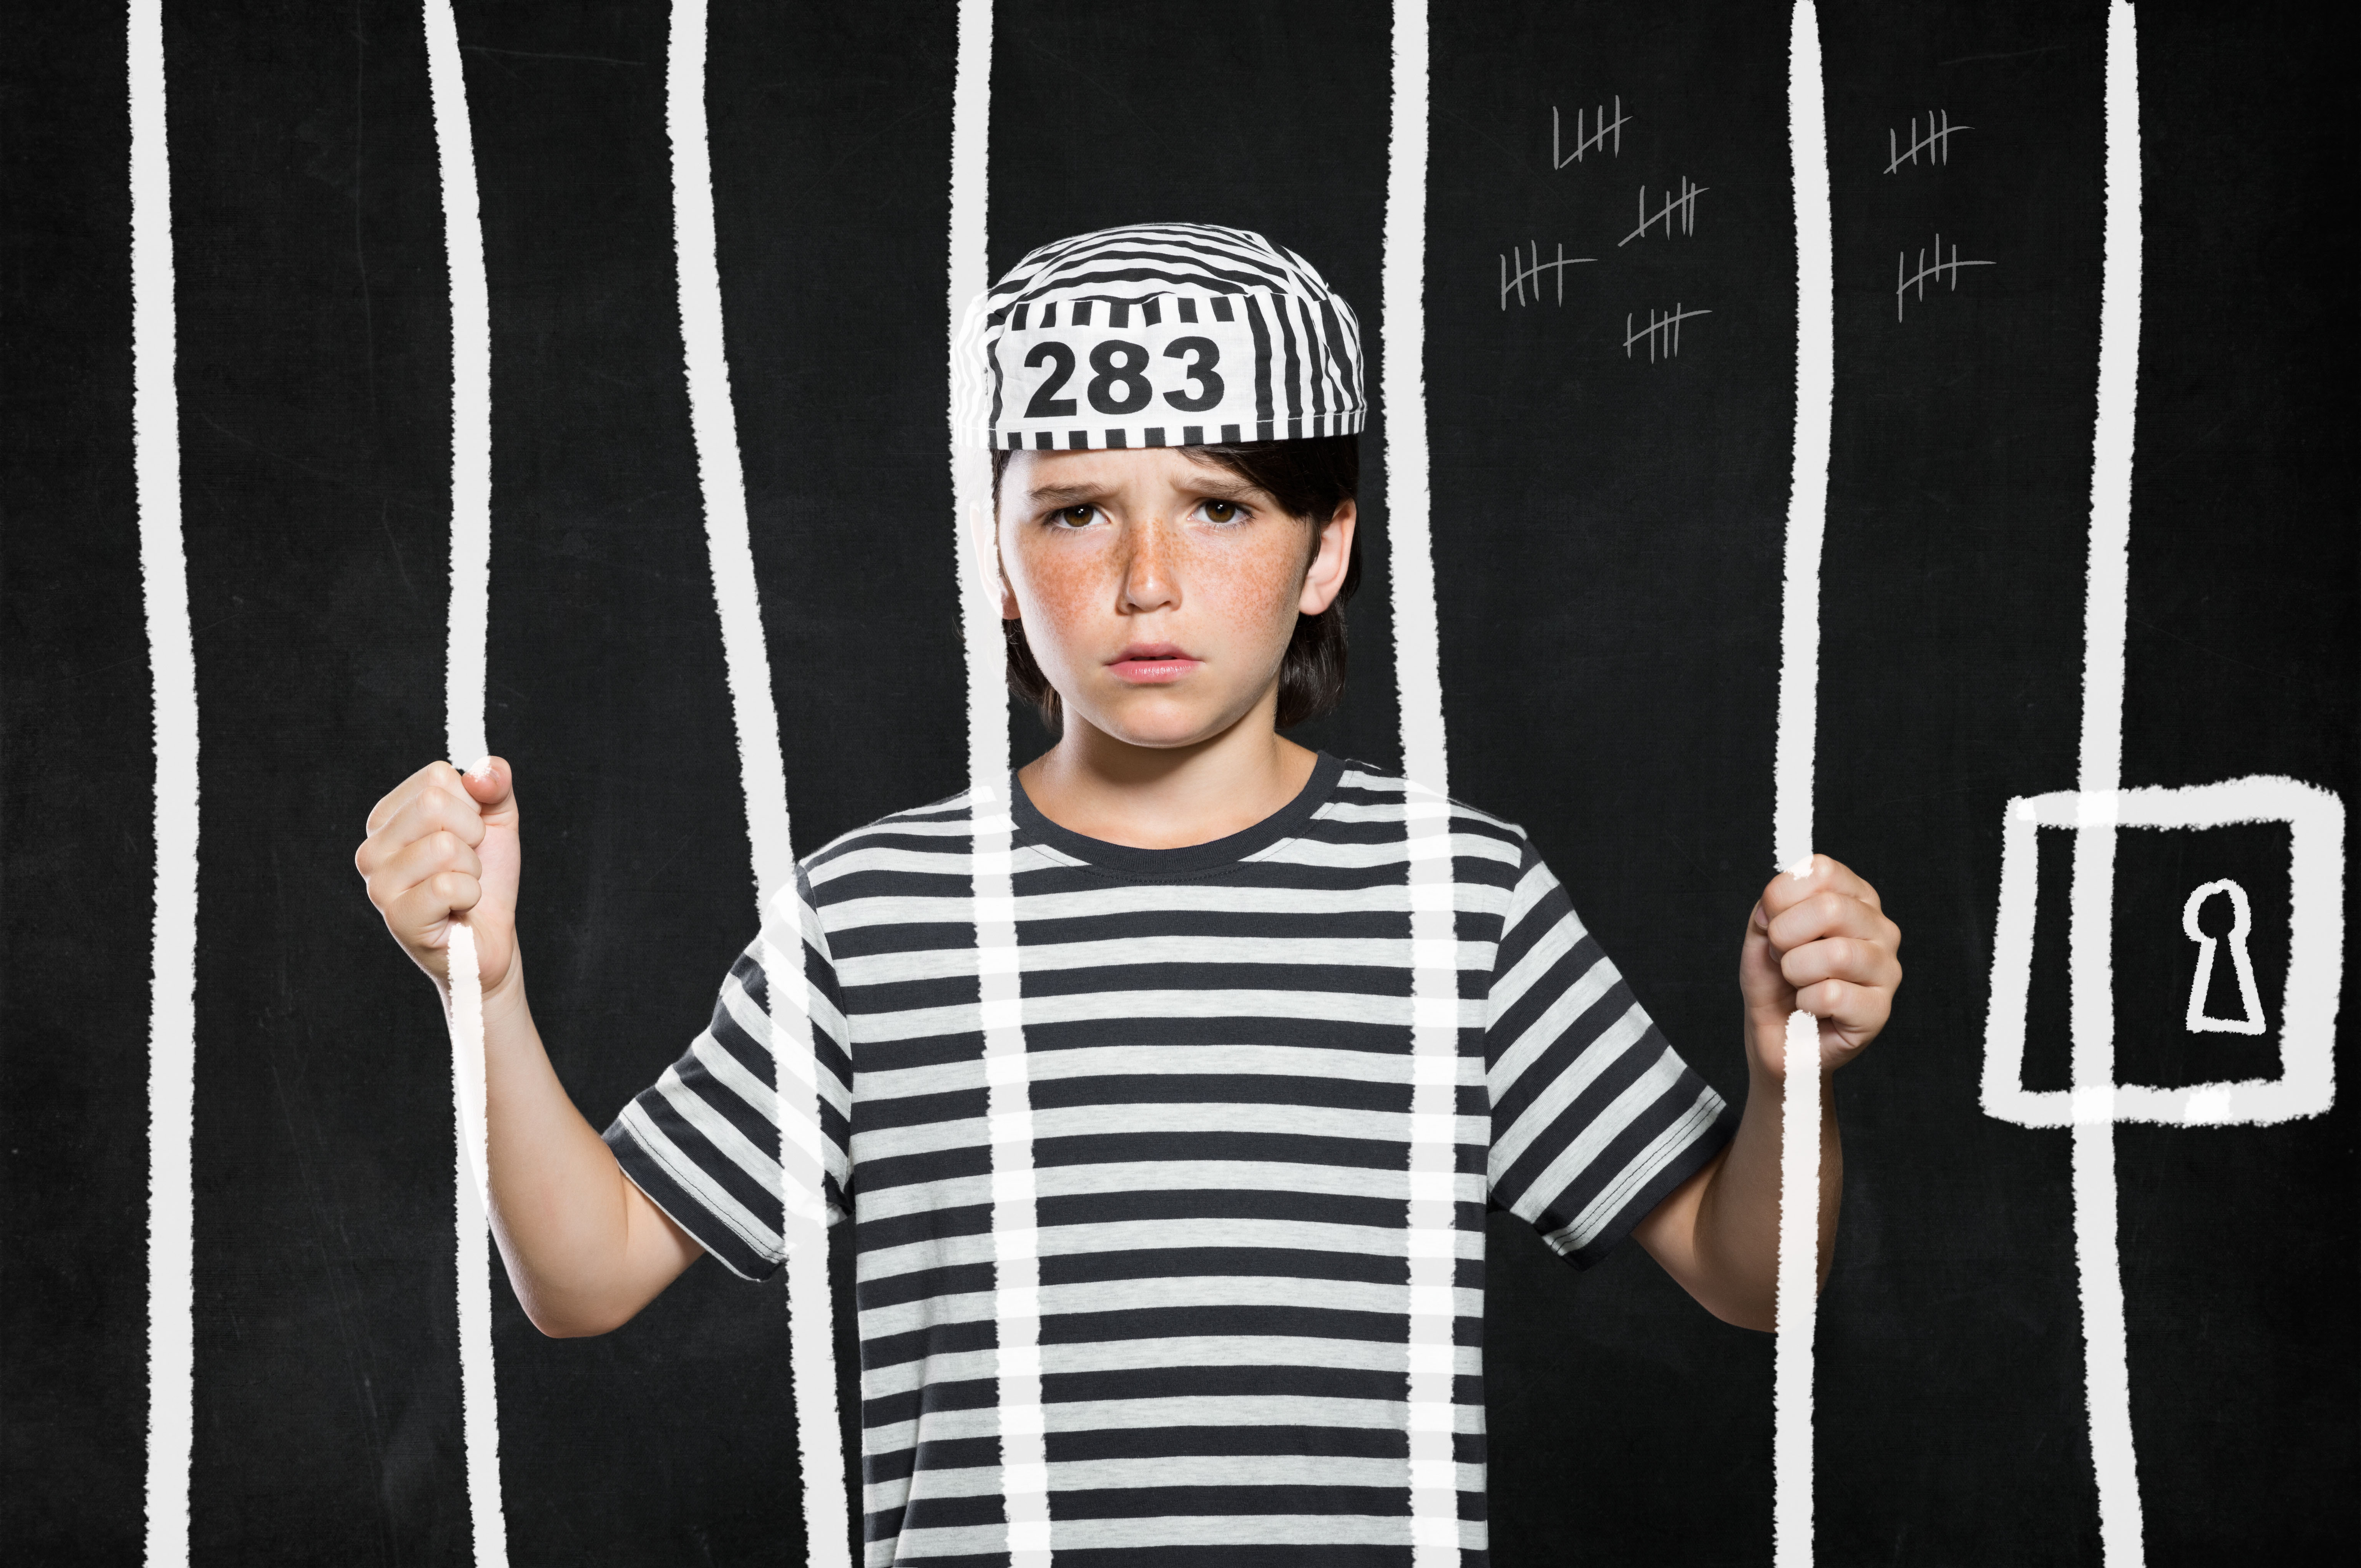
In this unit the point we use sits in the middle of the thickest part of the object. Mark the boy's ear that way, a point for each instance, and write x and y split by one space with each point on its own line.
1325 578
991 571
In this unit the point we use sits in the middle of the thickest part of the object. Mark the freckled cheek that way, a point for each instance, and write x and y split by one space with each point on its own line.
1067 596
1066 589
1232 595
1250 592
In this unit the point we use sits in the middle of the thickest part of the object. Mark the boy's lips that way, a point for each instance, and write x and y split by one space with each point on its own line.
1151 664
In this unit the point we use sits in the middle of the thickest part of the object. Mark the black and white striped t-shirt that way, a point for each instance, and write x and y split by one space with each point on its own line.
1217 1047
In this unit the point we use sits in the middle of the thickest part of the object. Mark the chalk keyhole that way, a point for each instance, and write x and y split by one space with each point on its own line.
2250 1006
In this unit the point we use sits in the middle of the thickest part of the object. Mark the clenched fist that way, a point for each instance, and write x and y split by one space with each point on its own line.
1820 942
443 844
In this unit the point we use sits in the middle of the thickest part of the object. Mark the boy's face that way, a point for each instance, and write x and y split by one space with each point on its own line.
1158 591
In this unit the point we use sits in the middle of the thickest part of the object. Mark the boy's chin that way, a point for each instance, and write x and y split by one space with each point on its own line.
1161 723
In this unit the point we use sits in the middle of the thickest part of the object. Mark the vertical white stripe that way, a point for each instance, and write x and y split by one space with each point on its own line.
1417 650
2095 811
473 1174
172 662
1797 1303
2107 1371
471 552
471 387
969 277
1016 1246
1016 1250
761 771
803 1231
1791 828
2110 466
478 1391
1430 1233
1799 619
2089 970
713 421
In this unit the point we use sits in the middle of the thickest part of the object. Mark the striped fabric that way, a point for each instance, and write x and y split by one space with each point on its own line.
1156 334
1218 1056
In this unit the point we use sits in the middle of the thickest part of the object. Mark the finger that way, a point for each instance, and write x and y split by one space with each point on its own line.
1821 873
414 863
1764 991
1840 958
1843 878
434 774
420 908
395 798
436 810
1858 1008
1756 951
1825 914
432 814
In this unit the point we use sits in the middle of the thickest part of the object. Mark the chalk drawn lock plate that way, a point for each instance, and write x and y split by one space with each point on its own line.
2306 1085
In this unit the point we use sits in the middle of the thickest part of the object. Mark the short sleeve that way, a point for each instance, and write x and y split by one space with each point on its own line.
705 1142
1594 1116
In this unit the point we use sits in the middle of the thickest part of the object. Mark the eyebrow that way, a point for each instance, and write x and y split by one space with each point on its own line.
1065 495
1074 495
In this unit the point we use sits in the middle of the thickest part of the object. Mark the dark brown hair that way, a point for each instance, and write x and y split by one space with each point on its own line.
1309 480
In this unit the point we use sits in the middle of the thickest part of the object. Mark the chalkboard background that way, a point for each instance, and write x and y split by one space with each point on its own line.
1608 529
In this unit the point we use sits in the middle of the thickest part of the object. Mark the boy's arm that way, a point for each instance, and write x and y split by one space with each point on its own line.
1821 942
585 1249
584 1246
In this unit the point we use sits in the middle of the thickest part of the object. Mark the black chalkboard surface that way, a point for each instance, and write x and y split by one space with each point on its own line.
1611 314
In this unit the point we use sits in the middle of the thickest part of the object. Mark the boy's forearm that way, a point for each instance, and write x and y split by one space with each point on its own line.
1735 1235
556 1199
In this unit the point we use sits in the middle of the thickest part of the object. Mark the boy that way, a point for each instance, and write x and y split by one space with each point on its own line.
1224 1016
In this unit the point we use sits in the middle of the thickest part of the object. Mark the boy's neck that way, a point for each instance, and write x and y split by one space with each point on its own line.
1166 797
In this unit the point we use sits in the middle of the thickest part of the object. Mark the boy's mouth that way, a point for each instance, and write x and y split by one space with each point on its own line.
1151 664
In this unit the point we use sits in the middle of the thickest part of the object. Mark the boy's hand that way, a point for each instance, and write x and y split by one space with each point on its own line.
1820 942
444 843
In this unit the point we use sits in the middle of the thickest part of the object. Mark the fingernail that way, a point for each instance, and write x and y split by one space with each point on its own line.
481 768
1801 869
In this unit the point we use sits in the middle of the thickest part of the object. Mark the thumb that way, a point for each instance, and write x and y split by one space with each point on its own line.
1760 981
490 784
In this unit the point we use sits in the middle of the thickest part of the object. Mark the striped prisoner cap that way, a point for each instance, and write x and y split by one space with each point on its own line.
1156 334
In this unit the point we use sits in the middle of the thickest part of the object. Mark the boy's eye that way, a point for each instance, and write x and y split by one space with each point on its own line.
1074 517
1222 511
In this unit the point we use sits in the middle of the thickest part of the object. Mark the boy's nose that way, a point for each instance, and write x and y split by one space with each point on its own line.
1148 581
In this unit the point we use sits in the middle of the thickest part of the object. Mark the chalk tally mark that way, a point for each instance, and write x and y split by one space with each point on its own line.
2250 1006
1513 278
1662 335
1943 273
1607 134
1936 143
1677 213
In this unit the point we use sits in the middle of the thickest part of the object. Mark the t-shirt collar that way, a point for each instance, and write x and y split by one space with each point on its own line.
1136 864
